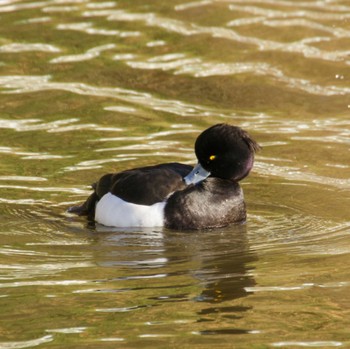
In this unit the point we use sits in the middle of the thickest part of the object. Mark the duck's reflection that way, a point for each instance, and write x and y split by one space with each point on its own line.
226 265
225 272
219 261
206 271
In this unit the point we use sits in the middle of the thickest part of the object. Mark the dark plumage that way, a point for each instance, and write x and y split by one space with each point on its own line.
225 153
141 186
212 203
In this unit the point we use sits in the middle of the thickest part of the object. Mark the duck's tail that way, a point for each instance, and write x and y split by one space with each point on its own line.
87 208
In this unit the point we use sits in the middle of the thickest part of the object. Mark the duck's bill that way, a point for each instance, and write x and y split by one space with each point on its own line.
198 174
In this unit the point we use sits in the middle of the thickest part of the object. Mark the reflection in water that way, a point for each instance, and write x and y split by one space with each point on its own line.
224 269
225 274
219 261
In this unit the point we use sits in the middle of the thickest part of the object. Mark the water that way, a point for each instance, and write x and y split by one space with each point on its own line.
92 87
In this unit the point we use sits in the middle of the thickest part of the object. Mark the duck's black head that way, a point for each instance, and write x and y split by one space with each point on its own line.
226 151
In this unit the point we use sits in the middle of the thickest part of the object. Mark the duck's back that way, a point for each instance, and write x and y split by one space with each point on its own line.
140 186
149 185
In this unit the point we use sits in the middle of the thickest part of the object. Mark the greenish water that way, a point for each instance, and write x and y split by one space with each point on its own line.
93 87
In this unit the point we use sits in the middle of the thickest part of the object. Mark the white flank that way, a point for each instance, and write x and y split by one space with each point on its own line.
115 212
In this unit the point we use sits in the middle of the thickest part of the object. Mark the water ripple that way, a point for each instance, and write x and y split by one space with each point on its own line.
298 233
49 9
308 344
88 28
271 13
112 339
27 344
298 174
121 309
44 283
304 286
22 47
68 330
28 271
198 68
89 54
25 84
23 178
12 7
30 155
61 125
184 28
101 5
71 190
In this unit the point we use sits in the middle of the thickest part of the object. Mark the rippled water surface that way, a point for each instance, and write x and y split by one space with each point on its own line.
92 87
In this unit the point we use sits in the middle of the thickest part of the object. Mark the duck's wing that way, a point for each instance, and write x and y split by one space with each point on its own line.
142 186
148 185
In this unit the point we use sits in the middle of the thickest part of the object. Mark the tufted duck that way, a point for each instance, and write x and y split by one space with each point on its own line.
175 195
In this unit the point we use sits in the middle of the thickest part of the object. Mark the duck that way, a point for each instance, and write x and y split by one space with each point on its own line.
175 195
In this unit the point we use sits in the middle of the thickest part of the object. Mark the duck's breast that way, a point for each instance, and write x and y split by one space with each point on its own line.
212 203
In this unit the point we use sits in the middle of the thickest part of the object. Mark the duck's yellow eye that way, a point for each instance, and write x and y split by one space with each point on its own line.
212 157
